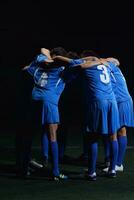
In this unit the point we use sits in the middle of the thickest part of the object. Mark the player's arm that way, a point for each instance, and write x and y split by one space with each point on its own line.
42 58
91 63
113 60
68 61
90 58
86 63
46 52
63 59
25 68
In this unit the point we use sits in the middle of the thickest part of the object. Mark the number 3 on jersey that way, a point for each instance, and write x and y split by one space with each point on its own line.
104 77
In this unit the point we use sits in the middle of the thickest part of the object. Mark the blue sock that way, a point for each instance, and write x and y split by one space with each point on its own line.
45 145
55 159
114 154
122 142
93 153
106 148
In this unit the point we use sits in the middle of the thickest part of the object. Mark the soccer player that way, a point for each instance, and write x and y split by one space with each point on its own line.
126 112
101 113
24 135
49 83
83 158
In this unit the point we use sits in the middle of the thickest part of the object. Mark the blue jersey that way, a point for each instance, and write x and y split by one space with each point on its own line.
97 83
50 82
119 83
36 63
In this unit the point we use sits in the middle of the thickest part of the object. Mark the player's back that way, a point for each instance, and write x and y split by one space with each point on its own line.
119 83
97 82
48 84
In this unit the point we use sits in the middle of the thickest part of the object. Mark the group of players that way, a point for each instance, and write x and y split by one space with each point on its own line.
108 106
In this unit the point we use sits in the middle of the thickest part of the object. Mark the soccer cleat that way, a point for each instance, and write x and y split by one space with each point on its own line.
92 177
119 168
105 169
60 177
111 174
35 164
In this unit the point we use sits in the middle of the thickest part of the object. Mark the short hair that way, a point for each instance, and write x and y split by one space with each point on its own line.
58 51
86 53
72 55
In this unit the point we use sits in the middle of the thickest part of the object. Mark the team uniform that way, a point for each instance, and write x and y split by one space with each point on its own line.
125 107
102 112
102 115
49 83
123 98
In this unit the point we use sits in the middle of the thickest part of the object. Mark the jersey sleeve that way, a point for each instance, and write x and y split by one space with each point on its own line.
41 58
33 66
76 62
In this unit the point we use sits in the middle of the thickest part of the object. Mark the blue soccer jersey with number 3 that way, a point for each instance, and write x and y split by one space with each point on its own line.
98 83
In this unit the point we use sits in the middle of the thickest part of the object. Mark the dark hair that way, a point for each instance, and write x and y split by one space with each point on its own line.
58 51
86 53
72 54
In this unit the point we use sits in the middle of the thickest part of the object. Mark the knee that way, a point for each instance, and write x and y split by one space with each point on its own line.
113 137
122 132
53 137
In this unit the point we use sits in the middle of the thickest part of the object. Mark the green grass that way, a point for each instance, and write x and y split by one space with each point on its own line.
40 188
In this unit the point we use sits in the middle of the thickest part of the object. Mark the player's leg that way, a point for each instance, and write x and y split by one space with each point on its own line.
126 115
50 119
92 155
45 147
122 143
113 125
114 155
106 144
52 130
94 124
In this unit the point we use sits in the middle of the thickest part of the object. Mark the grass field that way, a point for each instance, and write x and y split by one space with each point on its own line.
39 187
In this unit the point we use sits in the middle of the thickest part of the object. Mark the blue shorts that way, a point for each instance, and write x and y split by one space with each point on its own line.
126 113
102 117
50 113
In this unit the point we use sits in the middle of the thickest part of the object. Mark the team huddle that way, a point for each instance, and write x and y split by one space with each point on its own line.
108 106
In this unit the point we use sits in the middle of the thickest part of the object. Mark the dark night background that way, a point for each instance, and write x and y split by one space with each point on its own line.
25 27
